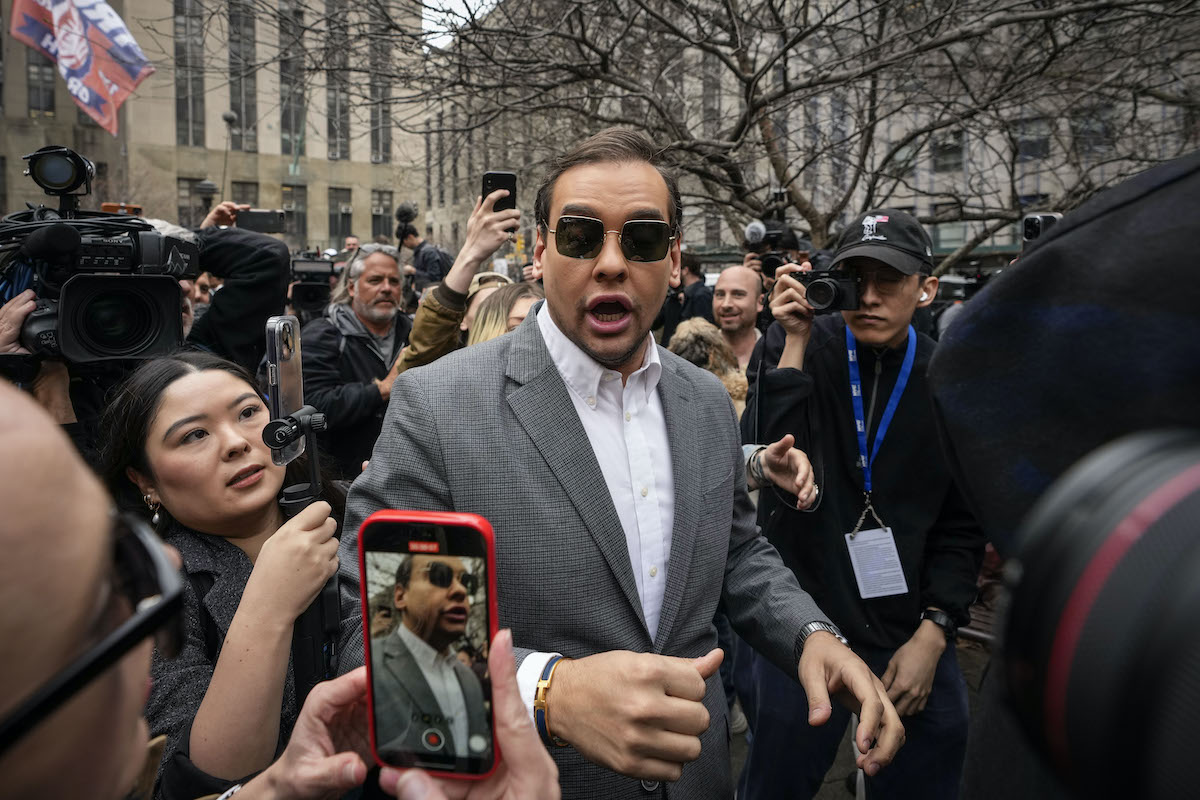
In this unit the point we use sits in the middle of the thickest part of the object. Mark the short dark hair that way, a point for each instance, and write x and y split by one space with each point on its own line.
691 262
404 571
607 146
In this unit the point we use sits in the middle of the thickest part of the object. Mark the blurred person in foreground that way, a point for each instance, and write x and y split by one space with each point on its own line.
609 433
84 588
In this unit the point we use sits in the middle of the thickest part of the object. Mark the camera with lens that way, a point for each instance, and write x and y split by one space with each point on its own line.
107 285
311 279
1033 226
828 292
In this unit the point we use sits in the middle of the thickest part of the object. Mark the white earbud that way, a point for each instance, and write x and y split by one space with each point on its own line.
924 296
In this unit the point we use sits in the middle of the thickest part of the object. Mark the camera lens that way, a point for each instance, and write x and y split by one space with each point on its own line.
822 294
117 322
1031 228
54 172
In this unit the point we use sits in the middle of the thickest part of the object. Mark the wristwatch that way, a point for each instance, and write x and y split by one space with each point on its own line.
810 629
942 620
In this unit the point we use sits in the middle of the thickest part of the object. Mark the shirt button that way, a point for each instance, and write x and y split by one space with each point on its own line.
591 401
654 572
628 416
645 491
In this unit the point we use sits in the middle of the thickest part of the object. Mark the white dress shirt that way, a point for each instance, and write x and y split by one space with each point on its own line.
443 682
628 433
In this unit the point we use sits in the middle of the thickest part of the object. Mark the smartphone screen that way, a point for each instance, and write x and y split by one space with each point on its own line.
285 380
501 180
429 614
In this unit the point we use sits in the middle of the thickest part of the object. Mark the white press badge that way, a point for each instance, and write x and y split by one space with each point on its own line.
876 563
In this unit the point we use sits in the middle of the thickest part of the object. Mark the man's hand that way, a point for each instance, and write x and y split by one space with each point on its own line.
384 384
224 213
909 675
12 317
526 771
52 389
328 752
636 713
828 666
790 470
487 230
789 305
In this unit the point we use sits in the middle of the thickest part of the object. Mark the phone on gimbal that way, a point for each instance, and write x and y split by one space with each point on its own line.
285 380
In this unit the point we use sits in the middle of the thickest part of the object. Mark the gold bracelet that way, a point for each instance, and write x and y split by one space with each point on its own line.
540 707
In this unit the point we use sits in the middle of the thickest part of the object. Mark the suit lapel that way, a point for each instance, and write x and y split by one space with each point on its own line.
409 678
544 409
674 390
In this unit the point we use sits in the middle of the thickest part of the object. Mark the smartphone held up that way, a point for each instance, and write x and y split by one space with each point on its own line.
429 612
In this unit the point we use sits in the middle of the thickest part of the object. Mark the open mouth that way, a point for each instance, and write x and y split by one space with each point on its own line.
456 615
246 477
610 314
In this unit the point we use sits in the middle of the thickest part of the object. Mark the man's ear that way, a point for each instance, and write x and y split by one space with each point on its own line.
674 255
929 287
145 486
539 249
398 598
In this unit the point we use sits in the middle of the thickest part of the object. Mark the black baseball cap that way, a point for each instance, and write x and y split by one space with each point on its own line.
890 236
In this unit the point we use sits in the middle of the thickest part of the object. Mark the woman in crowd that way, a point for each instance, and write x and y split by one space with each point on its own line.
504 311
184 433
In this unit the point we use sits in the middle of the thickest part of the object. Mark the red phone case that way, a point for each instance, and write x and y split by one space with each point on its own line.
447 518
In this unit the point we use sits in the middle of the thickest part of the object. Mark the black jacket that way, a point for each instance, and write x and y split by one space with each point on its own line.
939 542
690 301
431 262
256 269
341 364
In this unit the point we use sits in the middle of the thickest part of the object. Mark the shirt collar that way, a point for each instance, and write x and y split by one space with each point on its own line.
422 653
582 374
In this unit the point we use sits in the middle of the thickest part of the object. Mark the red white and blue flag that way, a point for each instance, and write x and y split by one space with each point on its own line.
94 50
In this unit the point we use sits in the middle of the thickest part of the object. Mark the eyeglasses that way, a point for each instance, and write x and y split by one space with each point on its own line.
641 239
143 574
442 576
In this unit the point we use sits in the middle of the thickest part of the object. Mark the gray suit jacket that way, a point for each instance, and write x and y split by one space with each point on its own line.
563 575
403 701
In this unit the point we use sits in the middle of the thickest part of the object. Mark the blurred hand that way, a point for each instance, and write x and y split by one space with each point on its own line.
526 771
12 317
385 383
52 388
224 213
909 675
790 470
828 666
296 560
636 713
530 273
329 748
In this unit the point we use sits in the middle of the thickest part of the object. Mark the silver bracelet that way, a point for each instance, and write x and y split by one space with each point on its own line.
755 468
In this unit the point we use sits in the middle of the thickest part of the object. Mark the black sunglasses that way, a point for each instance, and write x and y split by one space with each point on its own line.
641 239
441 575
142 573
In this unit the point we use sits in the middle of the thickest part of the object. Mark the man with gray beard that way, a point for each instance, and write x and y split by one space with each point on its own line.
349 356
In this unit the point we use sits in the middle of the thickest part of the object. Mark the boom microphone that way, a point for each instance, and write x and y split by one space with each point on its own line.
756 231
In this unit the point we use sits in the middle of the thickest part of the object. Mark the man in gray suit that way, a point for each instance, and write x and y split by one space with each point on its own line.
626 520
426 701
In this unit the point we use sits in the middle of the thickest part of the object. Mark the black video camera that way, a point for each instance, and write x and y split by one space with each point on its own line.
311 284
107 285
826 291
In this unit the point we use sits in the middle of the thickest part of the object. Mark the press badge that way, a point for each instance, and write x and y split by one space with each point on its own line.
876 563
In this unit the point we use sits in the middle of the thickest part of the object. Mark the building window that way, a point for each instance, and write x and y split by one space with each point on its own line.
3 182
41 76
337 81
428 168
244 192
949 235
291 80
84 119
295 216
191 207
712 228
948 152
1033 139
242 82
381 123
189 73
341 214
381 213
1094 132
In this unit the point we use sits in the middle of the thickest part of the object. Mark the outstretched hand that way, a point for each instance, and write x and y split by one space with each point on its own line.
790 470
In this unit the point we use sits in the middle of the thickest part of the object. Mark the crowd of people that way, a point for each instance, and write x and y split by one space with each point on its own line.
610 416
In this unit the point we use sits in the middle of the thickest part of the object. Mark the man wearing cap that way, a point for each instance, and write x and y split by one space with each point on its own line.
891 551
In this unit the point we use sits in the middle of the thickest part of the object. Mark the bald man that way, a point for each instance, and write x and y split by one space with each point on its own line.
737 302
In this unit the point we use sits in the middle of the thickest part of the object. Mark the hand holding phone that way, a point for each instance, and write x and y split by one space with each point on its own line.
285 378
429 611
487 229
296 561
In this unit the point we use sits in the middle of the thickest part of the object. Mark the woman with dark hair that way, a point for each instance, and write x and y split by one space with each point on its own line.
185 433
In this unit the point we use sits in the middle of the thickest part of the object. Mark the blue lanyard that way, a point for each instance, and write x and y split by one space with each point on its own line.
885 421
